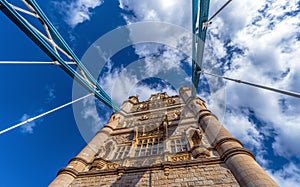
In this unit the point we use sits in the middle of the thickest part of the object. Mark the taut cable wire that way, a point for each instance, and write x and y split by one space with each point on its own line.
43 114
293 94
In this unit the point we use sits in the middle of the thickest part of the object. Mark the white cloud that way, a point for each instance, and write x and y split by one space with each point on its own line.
124 82
144 91
257 41
118 84
238 124
51 93
28 127
90 113
77 11
288 134
175 11
289 175
268 39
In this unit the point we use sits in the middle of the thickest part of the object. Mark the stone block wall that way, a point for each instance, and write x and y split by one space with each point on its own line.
202 175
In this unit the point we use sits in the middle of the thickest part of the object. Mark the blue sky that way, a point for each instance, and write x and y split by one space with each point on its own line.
254 41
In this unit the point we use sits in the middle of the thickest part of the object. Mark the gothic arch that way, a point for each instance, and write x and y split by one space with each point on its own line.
108 147
194 137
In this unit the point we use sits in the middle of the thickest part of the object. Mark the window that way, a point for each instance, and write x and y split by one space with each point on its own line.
121 152
178 145
150 146
108 149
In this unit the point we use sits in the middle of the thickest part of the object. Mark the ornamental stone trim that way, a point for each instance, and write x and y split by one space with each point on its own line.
68 171
234 151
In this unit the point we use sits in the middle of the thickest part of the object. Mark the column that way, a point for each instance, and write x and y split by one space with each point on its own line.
239 160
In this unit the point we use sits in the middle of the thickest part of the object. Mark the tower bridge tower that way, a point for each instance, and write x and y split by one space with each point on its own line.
164 141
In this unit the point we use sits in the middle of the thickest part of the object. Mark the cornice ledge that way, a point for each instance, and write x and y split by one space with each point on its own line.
68 171
227 139
203 115
234 151
80 160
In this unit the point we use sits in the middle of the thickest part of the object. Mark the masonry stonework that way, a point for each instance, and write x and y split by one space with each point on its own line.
164 141
216 175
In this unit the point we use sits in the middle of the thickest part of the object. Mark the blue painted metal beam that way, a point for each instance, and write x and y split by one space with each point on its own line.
61 42
12 14
200 17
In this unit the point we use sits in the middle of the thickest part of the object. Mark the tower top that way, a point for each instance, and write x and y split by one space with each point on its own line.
163 141
158 101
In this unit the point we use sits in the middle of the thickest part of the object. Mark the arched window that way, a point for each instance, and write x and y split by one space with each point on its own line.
196 139
108 149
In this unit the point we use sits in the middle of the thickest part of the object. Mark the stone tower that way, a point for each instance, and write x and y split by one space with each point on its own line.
164 141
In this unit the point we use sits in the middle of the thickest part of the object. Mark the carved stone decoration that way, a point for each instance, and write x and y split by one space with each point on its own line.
158 96
152 129
143 106
200 152
167 171
114 117
197 149
133 99
162 142
174 116
112 165
194 137
123 138
170 101
144 117
180 157
127 123
101 164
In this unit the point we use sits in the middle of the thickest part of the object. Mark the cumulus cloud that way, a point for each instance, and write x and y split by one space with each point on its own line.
269 49
288 135
126 81
27 128
77 11
175 12
289 175
51 93
239 125
256 41
90 114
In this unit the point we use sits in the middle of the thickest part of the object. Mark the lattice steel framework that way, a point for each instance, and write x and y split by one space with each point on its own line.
53 44
200 23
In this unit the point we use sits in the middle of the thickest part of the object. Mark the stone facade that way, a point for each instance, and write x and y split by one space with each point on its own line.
164 141
197 175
